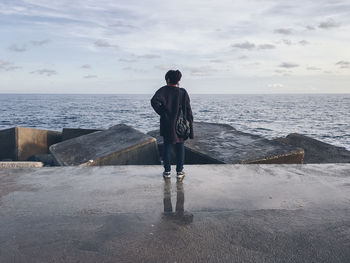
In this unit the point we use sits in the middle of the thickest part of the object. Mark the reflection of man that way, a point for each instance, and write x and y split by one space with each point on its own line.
179 215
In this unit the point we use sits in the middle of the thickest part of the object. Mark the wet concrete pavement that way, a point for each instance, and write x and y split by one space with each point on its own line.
219 213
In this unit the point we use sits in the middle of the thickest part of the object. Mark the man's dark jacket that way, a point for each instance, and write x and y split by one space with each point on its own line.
166 103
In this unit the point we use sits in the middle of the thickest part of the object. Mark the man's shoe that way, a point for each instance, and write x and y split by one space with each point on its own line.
180 175
166 175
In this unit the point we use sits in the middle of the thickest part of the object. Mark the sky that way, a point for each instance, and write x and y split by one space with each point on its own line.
225 46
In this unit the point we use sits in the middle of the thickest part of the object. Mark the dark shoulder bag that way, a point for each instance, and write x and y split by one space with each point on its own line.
182 124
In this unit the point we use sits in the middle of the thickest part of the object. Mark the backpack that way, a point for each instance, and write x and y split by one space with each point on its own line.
182 124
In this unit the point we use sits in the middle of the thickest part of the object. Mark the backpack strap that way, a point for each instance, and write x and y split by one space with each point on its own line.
180 98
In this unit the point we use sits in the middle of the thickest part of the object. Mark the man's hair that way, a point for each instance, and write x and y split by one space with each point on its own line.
173 76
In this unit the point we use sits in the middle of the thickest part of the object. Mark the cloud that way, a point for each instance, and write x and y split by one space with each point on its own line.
162 67
103 43
86 66
90 77
12 68
304 42
45 71
149 56
216 61
266 46
201 71
330 23
276 85
313 68
128 60
287 42
4 64
343 64
251 46
16 48
283 31
40 42
134 69
283 71
244 45
288 65
8 66
243 57
308 27
122 25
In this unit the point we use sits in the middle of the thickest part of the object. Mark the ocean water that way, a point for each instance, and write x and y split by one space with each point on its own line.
322 116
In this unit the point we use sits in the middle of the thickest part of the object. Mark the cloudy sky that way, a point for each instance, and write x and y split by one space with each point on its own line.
225 46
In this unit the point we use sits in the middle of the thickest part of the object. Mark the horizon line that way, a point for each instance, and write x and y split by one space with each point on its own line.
289 93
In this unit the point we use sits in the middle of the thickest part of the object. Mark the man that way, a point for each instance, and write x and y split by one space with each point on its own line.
166 102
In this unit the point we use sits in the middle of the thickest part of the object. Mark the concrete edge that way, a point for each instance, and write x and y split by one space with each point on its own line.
128 149
20 164
272 157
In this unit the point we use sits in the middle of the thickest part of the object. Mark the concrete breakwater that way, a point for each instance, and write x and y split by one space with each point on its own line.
123 145
220 213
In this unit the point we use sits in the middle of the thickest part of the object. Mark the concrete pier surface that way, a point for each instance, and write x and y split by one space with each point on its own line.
219 213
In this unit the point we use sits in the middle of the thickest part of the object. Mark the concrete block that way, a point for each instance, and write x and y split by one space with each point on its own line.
19 143
21 164
317 151
191 157
118 145
220 143
225 144
70 133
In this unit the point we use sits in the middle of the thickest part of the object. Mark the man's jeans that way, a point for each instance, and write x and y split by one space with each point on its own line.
180 156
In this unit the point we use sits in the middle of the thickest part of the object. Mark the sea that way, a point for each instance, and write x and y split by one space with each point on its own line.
325 117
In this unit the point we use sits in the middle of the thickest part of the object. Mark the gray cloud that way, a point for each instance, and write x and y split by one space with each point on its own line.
45 71
86 66
149 56
280 71
251 46
243 57
8 66
313 68
12 68
162 67
343 64
128 60
308 27
40 42
288 65
287 42
201 71
134 69
284 31
244 45
266 46
4 64
330 23
16 48
216 61
122 25
103 43
90 77
276 85
304 42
